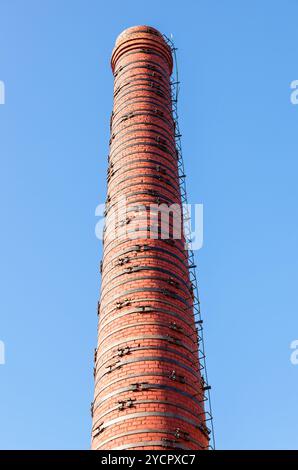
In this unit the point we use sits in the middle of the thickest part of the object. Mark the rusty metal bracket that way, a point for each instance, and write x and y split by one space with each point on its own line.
124 351
122 260
175 377
140 386
173 325
180 434
123 303
129 403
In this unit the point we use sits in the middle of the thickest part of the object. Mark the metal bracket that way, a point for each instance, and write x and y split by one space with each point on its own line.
180 434
205 430
118 71
140 386
174 340
160 140
160 169
169 442
132 269
158 112
126 404
173 325
99 430
145 309
123 303
122 260
123 351
123 222
172 282
112 138
126 117
113 366
152 192
175 377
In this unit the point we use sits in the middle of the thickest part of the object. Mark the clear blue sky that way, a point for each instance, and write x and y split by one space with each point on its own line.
237 60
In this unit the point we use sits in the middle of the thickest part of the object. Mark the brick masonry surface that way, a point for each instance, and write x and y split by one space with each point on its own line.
148 388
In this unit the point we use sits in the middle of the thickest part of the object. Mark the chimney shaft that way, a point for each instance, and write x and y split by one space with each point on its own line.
148 389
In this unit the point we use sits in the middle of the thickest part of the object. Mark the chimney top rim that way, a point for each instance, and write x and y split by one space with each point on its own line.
136 29
135 36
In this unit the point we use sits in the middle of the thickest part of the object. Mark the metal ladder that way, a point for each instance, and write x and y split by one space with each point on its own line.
191 258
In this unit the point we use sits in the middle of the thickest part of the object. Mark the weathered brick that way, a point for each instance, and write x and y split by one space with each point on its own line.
147 382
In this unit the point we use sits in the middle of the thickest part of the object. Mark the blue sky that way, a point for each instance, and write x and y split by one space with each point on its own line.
237 60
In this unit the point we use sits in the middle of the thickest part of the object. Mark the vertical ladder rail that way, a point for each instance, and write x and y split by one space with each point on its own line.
188 238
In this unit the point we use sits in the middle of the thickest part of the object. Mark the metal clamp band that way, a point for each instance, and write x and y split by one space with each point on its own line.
143 348
146 431
153 386
149 80
174 279
146 246
134 402
143 74
148 309
142 414
148 359
179 285
146 100
140 249
164 186
185 311
160 144
133 114
186 317
169 338
148 164
127 350
155 114
114 153
146 68
138 444
146 348
124 96
154 81
165 292
127 260
140 88
163 444
149 63
151 175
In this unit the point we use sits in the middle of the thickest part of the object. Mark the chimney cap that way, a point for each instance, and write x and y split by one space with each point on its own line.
136 30
136 37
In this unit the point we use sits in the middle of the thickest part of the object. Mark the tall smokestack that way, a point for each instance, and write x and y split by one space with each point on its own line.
149 393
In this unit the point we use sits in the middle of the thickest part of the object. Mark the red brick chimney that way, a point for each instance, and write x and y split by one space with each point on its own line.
148 389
